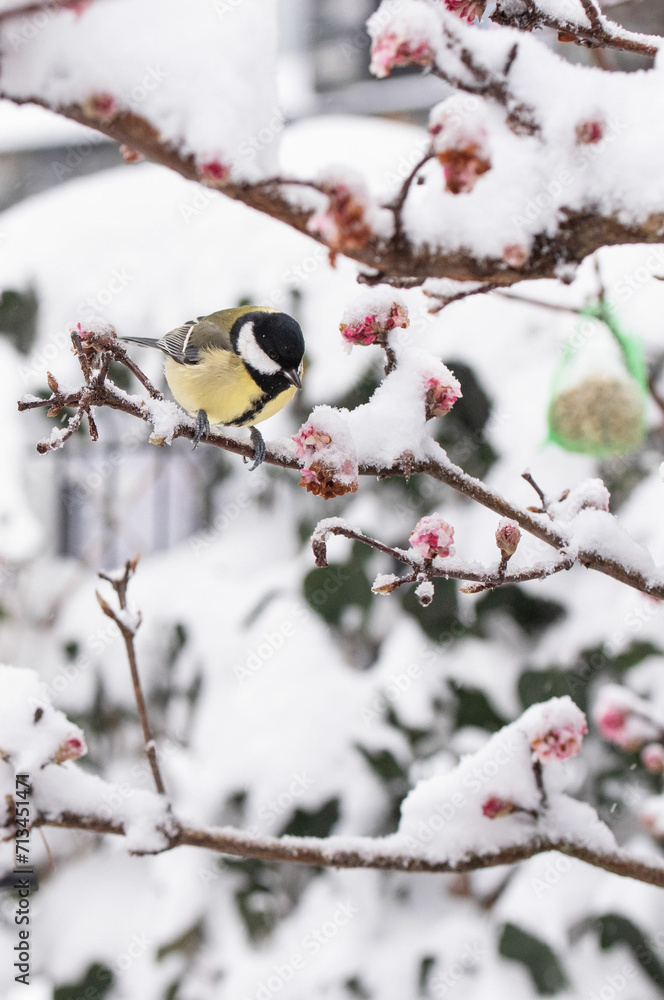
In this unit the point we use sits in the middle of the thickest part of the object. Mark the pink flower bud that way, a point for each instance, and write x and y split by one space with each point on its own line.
559 743
460 141
440 398
101 107
374 326
392 49
652 757
466 10
343 225
432 537
515 255
494 807
590 132
70 749
214 172
508 536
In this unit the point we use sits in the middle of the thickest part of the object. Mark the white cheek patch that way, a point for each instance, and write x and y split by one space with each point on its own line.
254 355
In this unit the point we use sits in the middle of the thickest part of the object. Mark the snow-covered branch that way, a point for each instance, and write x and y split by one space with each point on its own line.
579 21
528 163
334 449
499 806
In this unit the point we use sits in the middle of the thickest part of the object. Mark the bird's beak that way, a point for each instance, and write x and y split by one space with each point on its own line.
292 376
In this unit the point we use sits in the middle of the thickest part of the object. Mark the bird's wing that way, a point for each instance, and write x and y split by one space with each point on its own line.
177 344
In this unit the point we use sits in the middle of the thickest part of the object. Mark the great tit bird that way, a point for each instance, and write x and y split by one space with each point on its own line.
234 367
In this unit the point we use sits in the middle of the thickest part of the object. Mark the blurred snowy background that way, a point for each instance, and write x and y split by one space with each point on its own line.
288 699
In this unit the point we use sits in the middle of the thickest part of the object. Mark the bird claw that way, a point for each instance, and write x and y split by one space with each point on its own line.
202 427
259 448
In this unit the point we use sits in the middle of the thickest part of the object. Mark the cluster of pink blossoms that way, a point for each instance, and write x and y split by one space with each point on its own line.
439 398
330 464
373 327
390 50
432 537
558 744
467 10
460 140
309 440
343 225
554 731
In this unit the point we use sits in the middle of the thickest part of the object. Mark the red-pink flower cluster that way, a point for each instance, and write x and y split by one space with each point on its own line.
374 327
558 743
390 50
440 398
494 807
343 225
461 143
467 10
310 439
432 537
330 464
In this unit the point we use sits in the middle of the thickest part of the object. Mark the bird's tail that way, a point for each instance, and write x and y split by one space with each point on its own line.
144 341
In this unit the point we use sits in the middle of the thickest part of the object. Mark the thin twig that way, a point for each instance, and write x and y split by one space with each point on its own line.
396 206
128 631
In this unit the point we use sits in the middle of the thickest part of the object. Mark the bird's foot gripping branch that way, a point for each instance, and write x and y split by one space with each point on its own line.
500 805
335 448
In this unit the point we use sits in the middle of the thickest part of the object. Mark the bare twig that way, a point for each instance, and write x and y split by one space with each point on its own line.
128 628
396 206
447 300
529 479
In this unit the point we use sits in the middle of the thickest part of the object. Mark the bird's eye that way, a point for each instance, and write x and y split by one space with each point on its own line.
273 355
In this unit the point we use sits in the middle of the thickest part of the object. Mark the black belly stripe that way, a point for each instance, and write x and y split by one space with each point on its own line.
253 411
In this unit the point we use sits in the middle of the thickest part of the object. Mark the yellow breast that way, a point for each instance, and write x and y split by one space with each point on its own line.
221 385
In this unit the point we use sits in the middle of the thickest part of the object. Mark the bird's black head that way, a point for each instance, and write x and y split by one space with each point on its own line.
272 347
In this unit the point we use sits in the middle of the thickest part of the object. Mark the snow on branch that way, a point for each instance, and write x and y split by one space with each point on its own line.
335 448
578 21
563 159
499 806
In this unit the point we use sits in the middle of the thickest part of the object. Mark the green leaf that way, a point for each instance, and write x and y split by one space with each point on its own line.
616 929
439 621
474 709
317 823
531 614
96 982
545 969
18 318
